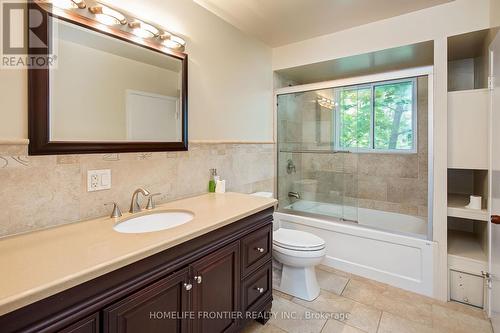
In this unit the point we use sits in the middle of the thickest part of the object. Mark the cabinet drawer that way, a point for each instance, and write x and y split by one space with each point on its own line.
256 249
467 288
257 286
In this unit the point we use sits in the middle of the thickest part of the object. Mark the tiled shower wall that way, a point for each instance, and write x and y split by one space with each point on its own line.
44 191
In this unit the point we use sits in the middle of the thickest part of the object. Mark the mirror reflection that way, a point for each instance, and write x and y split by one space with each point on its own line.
107 90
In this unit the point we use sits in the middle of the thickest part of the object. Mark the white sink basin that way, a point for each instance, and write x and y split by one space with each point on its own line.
153 222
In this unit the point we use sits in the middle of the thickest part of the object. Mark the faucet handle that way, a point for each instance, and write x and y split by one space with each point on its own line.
151 202
116 209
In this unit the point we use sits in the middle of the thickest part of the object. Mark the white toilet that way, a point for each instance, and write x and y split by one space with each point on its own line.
299 252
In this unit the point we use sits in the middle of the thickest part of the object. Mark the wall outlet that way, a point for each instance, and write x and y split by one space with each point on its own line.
98 180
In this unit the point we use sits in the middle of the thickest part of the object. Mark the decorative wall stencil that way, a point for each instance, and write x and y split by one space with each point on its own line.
13 161
144 156
3 162
111 157
23 160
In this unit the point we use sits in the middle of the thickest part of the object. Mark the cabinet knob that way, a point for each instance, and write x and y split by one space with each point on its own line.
259 249
495 219
188 286
260 290
198 279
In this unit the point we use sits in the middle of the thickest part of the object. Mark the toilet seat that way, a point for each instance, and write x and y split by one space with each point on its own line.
296 240
300 253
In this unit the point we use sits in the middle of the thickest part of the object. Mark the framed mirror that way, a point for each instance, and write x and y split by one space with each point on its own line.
109 90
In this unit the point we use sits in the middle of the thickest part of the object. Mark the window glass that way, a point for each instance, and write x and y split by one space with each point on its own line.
393 128
355 105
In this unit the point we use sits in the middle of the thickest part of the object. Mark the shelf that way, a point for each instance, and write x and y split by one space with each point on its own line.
465 252
456 208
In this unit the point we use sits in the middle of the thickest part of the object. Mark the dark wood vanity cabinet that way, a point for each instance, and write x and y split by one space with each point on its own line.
214 283
216 290
153 309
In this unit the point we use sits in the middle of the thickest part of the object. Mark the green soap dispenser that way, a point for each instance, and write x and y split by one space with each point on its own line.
211 182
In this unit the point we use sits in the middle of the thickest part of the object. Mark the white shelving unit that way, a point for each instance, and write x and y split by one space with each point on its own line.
468 165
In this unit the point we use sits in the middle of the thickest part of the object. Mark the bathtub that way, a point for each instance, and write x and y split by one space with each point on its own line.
392 222
387 247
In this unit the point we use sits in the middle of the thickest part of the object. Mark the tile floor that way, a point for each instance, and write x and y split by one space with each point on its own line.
350 304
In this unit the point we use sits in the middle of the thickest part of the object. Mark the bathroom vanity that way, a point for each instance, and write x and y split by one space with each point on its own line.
212 274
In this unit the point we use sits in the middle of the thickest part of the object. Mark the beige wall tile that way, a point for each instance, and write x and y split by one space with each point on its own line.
44 191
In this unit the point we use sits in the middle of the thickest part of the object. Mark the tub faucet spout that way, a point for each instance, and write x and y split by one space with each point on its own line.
295 195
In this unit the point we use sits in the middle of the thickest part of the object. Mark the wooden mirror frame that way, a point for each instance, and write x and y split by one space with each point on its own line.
39 94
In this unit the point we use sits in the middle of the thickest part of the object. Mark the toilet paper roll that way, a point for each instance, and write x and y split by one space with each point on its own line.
475 202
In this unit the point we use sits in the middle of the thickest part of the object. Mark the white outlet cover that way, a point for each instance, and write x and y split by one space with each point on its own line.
98 180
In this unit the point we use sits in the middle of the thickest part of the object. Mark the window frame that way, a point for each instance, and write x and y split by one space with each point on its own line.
372 149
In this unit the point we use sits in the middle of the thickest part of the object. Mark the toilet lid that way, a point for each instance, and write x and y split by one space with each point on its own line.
297 240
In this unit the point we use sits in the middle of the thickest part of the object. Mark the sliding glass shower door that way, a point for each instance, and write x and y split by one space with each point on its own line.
316 173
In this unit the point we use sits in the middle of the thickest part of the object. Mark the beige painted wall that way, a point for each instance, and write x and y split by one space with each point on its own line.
230 77
495 12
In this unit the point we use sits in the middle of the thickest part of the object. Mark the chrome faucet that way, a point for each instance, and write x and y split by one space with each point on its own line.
295 195
134 205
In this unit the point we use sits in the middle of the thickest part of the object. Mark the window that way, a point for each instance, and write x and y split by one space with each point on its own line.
377 117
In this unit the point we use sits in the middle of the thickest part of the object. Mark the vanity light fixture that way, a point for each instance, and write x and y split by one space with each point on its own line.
69 4
172 41
107 15
143 30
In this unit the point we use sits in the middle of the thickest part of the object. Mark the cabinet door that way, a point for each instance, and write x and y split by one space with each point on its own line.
86 325
157 308
468 128
216 284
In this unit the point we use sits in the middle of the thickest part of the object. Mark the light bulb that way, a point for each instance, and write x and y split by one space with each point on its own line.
107 15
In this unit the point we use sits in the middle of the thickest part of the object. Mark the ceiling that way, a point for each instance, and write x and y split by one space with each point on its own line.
397 58
280 22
